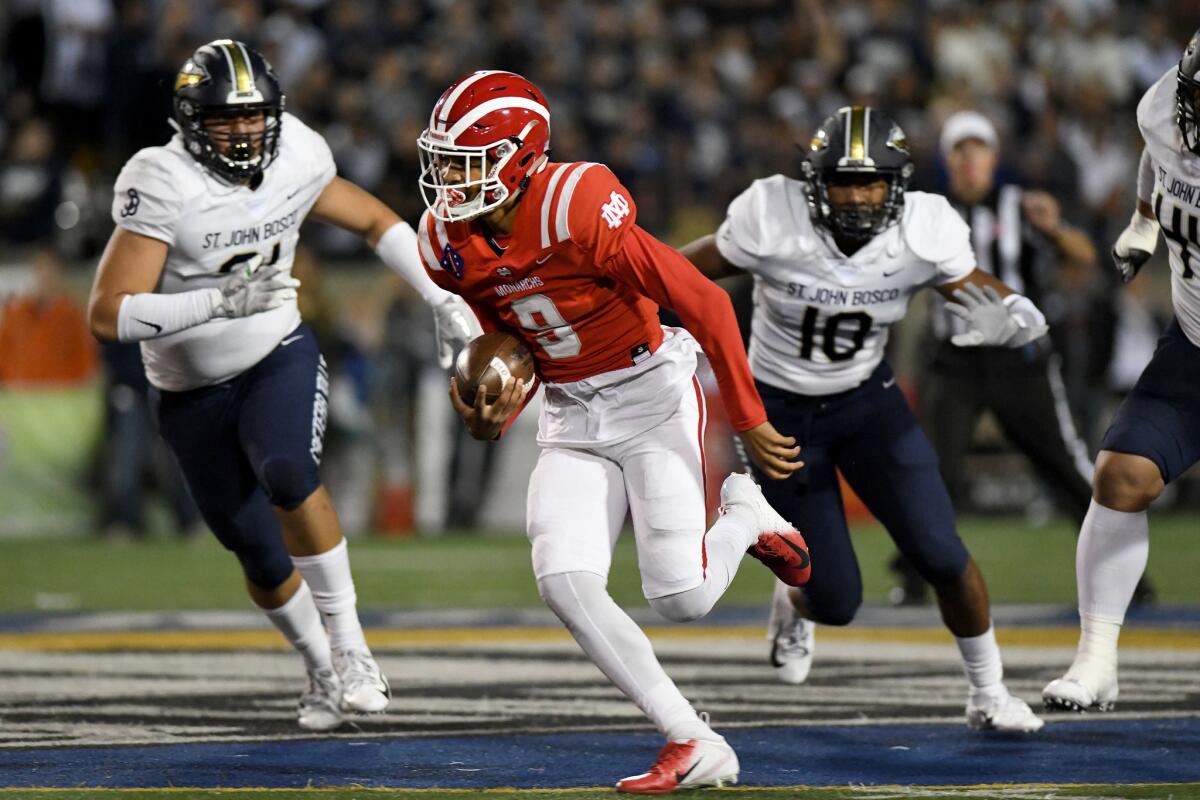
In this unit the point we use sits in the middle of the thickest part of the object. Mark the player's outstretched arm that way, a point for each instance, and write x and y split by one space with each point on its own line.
348 206
706 257
994 313
1137 242
124 307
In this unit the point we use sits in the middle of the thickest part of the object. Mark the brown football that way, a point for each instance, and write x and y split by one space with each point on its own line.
489 361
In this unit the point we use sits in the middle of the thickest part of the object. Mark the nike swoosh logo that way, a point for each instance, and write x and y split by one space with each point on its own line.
893 272
800 551
293 194
157 328
680 777
889 383
291 339
543 259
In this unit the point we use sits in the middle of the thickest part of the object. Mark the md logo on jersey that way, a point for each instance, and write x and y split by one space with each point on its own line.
452 262
615 210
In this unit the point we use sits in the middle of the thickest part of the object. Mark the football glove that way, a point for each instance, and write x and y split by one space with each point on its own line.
253 290
455 325
1134 246
993 320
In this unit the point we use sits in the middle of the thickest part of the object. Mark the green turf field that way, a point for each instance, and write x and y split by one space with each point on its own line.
1022 565
1174 791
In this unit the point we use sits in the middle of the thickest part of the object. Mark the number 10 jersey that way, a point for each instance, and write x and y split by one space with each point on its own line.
821 318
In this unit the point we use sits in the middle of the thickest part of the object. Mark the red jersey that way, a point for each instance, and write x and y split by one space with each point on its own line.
581 283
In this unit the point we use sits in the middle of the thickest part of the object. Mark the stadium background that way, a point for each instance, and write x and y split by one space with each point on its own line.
687 102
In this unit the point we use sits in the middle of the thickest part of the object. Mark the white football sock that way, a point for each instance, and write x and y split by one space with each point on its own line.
1109 560
981 662
300 624
618 647
724 546
329 576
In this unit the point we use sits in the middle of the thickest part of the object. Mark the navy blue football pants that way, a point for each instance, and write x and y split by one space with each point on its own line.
871 435
249 443
1160 419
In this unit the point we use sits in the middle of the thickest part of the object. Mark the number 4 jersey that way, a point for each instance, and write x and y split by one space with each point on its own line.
211 227
1175 198
821 318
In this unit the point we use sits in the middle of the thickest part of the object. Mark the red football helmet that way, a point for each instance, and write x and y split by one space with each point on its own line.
489 132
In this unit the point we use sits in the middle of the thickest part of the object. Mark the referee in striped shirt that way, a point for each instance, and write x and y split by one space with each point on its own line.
1020 237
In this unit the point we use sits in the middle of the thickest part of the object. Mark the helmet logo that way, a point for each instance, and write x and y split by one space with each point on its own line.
190 75
820 141
455 197
897 140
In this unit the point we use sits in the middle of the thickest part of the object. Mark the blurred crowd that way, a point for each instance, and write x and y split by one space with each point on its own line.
686 100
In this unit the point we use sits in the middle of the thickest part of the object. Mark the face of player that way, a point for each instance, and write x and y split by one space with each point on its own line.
454 170
857 190
972 166
238 137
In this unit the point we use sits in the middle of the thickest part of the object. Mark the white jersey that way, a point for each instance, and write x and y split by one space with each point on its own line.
211 227
821 318
1175 199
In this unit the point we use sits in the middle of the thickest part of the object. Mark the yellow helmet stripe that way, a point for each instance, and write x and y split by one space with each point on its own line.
242 80
858 140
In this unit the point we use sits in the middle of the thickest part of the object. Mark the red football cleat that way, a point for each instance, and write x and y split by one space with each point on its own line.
780 546
785 553
685 765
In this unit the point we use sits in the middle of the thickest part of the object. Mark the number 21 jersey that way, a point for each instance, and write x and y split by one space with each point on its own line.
211 227
821 318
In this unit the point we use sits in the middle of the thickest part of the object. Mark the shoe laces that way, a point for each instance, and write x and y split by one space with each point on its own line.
672 757
323 687
357 667
791 639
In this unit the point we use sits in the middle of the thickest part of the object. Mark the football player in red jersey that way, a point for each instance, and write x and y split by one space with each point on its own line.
551 252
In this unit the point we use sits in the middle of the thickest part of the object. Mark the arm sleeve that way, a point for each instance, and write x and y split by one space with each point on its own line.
665 276
399 250
1145 179
146 199
739 235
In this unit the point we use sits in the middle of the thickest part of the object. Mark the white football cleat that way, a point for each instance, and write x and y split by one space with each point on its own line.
987 712
779 546
792 638
364 689
321 704
692 764
1088 685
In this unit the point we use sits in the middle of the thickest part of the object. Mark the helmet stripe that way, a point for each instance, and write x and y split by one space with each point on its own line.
559 171
239 73
857 147
483 109
249 65
561 228
453 98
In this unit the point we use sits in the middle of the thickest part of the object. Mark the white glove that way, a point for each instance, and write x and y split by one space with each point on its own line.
455 325
1135 245
993 320
252 290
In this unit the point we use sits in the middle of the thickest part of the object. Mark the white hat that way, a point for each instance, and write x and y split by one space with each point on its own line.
967 125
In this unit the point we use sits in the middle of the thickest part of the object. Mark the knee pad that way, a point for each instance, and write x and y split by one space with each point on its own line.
686 606
288 481
837 608
942 565
266 567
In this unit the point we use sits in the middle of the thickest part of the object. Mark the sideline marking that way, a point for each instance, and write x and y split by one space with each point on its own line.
219 640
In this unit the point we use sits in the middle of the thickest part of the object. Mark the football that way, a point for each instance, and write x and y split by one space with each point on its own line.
489 361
